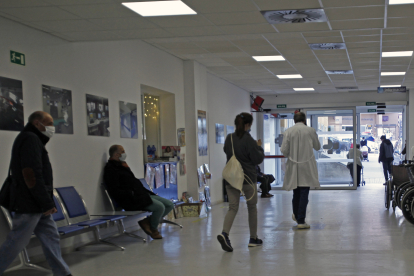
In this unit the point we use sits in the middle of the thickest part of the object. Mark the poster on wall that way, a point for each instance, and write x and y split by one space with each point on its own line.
230 129
97 118
219 134
170 151
202 133
128 120
181 137
58 103
11 104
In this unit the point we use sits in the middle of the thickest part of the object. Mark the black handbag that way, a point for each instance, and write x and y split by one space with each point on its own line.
5 192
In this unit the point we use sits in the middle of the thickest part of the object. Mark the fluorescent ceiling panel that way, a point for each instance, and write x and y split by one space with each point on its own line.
268 58
296 76
399 2
397 54
390 86
392 73
303 89
160 8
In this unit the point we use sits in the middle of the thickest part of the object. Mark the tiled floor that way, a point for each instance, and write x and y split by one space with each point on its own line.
352 234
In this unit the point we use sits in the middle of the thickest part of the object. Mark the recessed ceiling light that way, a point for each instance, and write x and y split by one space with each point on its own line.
397 54
160 8
303 89
399 2
268 58
392 73
297 76
390 85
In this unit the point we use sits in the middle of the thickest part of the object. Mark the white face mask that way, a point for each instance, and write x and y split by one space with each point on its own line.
50 130
123 157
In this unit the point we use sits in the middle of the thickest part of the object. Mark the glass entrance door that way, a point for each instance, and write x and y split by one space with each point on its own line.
336 130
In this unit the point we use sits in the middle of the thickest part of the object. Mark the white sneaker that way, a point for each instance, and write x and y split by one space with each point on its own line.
303 226
294 218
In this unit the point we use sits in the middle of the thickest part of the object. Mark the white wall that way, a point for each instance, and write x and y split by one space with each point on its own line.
225 101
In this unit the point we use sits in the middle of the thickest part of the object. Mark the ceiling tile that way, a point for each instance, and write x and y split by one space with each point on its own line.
69 26
259 41
212 6
287 41
22 3
325 39
357 24
78 2
320 34
248 29
362 38
355 13
351 3
361 32
195 31
123 23
229 49
303 27
180 21
400 22
287 4
240 61
99 11
399 11
143 33
188 51
176 45
260 50
91 36
236 18
39 13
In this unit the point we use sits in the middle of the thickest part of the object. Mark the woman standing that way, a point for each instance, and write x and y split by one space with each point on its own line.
249 153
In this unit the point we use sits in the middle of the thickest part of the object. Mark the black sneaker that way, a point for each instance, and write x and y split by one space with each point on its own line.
255 242
224 240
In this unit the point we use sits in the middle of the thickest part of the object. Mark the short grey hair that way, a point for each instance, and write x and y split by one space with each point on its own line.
113 149
299 117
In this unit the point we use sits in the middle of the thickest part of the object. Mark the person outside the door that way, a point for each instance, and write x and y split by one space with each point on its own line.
386 156
250 154
301 173
350 165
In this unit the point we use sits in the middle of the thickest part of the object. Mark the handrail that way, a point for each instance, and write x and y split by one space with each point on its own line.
274 156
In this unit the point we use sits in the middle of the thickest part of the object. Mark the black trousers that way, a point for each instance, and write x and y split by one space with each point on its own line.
300 203
387 166
265 186
351 170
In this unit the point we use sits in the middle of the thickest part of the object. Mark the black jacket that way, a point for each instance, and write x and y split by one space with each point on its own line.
29 153
382 157
125 188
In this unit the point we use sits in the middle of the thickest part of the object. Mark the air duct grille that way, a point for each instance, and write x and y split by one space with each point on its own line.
327 46
339 72
294 16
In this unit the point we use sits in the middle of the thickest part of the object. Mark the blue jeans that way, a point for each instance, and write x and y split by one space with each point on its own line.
387 166
44 227
299 203
160 207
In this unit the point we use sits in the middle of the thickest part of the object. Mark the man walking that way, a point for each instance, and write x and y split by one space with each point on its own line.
301 173
386 156
31 196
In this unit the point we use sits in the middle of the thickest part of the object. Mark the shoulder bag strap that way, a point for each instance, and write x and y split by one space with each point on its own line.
232 147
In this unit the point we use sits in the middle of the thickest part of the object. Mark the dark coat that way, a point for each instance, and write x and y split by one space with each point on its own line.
125 188
29 153
382 157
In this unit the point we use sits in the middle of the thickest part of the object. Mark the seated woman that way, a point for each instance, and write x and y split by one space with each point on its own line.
265 180
350 165
131 195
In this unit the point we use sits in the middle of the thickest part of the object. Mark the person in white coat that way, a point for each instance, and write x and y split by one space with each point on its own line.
301 173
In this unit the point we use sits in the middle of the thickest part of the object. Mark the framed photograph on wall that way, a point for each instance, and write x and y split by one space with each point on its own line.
219 134
58 103
128 119
11 104
97 118
202 133
181 137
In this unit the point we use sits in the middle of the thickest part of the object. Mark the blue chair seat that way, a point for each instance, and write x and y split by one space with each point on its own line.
69 229
112 218
91 223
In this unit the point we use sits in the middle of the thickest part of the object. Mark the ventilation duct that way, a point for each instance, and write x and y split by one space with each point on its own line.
327 46
339 72
295 16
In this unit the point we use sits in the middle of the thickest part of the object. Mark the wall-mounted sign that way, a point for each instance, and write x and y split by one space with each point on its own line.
372 110
401 89
17 58
371 103
281 106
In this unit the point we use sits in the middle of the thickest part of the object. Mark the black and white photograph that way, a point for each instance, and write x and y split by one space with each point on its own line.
58 103
230 129
219 134
11 104
97 117
128 120
202 133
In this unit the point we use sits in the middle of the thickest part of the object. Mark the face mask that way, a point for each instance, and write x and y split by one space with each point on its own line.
123 157
249 130
50 130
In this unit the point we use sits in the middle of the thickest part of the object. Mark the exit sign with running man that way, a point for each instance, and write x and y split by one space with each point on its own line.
17 58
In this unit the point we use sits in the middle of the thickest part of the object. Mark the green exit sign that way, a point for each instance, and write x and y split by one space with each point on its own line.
281 106
371 103
372 110
17 58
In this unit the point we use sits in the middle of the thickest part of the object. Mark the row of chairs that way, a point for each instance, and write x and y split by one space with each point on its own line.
72 218
399 190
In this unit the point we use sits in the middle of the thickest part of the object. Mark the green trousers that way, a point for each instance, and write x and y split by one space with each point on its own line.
160 207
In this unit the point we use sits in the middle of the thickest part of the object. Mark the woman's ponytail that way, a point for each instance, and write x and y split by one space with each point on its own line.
241 121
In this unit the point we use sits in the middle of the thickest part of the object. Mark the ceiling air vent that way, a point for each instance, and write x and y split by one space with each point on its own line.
295 16
327 46
339 72
347 88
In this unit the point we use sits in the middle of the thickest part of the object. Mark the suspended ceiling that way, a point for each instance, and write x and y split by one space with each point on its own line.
225 34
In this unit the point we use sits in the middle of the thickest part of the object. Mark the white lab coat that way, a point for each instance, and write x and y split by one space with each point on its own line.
298 144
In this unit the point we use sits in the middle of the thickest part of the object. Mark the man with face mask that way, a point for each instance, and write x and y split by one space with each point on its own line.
129 192
31 196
